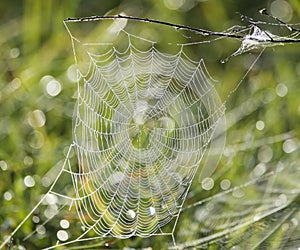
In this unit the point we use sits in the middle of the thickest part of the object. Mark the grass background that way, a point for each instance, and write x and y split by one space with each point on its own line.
35 44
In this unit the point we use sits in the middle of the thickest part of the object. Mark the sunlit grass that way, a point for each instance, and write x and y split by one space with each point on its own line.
37 96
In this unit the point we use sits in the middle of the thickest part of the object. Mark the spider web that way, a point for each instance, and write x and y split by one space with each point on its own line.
143 121
142 124
141 127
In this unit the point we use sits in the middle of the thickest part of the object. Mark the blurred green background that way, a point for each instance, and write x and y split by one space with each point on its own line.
37 87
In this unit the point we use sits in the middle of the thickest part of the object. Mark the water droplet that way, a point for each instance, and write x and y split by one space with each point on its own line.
131 214
228 58
151 211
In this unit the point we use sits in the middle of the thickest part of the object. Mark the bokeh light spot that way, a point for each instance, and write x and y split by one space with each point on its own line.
225 184
295 222
15 84
64 223
36 219
51 199
281 201
8 195
290 146
281 90
46 182
72 73
174 4
50 211
238 193
36 118
260 125
45 79
117 25
3 165
282 10
62 235
53 87
14 53
37 140
29 181
28 161
265 154
259 169
207 183
40 229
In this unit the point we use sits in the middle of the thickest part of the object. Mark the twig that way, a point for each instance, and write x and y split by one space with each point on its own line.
177 26
197 30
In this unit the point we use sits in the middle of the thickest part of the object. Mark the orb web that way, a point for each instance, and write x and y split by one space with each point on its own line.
142 123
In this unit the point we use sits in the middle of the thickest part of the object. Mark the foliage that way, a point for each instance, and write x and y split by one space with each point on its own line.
262 149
